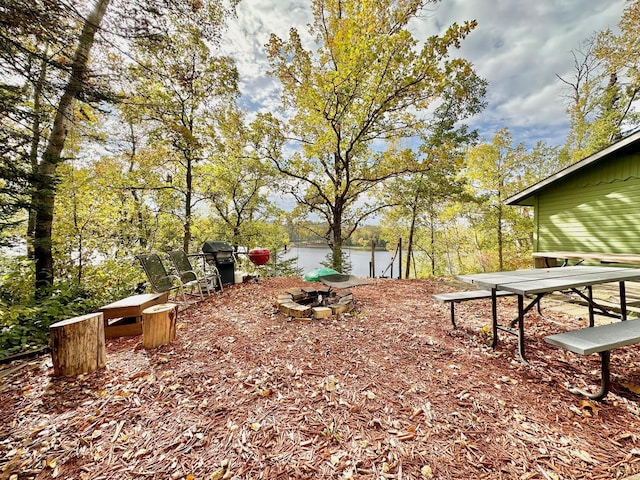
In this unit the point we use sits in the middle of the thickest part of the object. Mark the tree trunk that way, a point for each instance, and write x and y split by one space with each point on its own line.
141 237
336 252
456 243
45 178
336 240
187 207
500 241
432 227
35 145
411 232
481 261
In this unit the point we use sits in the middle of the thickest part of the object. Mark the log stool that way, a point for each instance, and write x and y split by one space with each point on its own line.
159 325
77 345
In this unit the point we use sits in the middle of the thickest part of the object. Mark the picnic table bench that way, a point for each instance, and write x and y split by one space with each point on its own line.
463 296
600 340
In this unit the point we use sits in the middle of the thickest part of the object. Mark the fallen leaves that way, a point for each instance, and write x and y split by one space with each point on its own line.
632 387
389 391
584 456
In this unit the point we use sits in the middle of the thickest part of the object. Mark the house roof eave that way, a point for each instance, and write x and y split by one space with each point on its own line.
524 197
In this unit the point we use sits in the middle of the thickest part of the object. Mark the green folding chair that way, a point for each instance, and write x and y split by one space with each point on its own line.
160 279
205 280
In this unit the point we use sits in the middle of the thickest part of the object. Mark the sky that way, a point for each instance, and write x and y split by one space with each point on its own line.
518 47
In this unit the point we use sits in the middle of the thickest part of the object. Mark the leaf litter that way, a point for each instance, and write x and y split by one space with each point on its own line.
386 391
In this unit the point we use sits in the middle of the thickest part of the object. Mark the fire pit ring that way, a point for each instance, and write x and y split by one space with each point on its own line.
314 302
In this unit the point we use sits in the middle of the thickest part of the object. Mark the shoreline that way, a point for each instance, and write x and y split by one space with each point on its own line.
291 246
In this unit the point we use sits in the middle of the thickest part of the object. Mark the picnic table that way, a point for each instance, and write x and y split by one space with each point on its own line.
536 283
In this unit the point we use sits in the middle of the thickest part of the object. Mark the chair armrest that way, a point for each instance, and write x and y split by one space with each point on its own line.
175 278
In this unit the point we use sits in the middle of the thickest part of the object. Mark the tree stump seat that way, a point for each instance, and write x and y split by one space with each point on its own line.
159 325
77 345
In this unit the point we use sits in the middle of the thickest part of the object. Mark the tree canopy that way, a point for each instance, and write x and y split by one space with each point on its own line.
365 87
604 93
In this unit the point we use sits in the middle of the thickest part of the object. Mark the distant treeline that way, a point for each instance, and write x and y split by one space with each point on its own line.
304 236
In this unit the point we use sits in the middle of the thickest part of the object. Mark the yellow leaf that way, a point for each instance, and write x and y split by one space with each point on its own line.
631 387
51 463
140 452
218 474
586 405
330 384
255 426
426 471
584 456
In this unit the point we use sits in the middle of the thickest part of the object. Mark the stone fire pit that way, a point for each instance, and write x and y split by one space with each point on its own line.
314 302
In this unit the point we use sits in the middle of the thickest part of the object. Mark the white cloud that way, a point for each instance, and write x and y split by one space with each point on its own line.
519 47
246 38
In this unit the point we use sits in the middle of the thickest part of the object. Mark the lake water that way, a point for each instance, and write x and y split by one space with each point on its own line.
312 258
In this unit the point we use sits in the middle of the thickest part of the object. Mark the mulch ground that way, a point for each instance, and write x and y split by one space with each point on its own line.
389 390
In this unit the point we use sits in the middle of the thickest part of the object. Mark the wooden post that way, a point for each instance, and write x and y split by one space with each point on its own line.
159 325
77 345
373 259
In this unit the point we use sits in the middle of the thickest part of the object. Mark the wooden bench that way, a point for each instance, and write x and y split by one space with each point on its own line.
600 340
550 259
116 314
463 296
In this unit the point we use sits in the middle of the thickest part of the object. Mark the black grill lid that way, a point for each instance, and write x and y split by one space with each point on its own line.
212 246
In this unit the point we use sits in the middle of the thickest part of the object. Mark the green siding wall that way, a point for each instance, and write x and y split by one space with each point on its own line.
595 210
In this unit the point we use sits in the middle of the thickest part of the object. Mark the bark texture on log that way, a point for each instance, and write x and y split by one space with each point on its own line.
77 345
159 325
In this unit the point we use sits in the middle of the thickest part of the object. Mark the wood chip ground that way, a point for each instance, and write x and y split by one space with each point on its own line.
386 391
